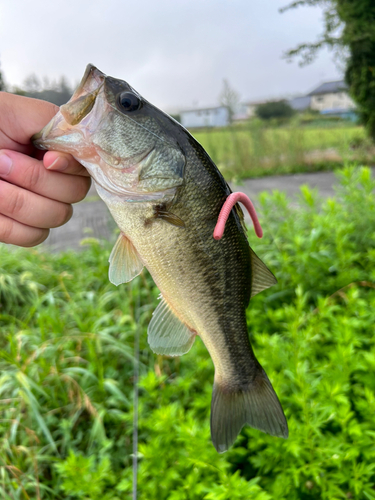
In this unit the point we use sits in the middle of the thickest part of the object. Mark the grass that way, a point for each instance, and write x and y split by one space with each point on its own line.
254 150
66 370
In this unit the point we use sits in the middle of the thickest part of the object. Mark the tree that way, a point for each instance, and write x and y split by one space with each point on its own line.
274 109
330 37
57 92
229 98
349 29
2 83
32 83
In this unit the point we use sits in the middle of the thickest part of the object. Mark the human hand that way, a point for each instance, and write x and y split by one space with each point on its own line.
36 188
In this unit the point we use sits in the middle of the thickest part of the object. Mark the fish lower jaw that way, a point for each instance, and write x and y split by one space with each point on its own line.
111 194
104 184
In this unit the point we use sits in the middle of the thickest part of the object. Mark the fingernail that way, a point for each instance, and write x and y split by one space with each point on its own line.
59 164
5 164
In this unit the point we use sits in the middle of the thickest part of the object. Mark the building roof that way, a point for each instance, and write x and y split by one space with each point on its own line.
330 88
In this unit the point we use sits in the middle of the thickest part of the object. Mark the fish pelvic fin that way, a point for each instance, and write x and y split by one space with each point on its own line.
124 261
256 405
167 334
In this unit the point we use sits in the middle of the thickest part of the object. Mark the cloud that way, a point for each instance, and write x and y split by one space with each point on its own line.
175 53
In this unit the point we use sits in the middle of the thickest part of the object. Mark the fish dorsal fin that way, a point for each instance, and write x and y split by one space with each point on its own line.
124 261
261 276
167 334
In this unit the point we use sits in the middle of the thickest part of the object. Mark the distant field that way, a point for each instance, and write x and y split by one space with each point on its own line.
259 151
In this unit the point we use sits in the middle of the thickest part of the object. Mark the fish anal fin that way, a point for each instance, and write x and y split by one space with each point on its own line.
167 334
124 261
261 276
256 405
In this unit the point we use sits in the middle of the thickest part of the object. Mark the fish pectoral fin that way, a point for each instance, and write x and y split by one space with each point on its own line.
170 218
167 334
261 276
124 261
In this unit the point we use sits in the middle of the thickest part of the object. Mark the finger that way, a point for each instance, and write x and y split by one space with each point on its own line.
15 233
21 117
63 162
30 174
32 209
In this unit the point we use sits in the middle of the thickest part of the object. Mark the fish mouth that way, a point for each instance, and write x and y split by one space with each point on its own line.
73 112
91 80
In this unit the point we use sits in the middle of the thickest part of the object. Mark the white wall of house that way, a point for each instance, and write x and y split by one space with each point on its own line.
207 117
246 110
250 111
336 100
300 103
251 107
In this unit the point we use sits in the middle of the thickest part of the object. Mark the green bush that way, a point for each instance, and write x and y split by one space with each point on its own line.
66 361
274 109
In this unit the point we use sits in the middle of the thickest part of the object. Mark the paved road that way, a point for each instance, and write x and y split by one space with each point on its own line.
92 218
291 184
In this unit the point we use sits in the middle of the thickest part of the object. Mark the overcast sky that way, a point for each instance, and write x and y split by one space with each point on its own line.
174 52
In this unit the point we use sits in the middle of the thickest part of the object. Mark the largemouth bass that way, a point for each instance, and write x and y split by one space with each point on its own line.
165 194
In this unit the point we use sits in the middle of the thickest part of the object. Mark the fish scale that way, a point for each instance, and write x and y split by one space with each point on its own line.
165 194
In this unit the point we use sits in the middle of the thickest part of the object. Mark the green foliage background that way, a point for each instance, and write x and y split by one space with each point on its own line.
359 36
66 362
274 109
349 29
256 150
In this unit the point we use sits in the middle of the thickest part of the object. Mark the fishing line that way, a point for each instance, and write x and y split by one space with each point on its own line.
136 394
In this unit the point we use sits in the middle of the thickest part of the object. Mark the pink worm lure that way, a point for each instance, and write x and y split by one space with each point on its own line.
226 209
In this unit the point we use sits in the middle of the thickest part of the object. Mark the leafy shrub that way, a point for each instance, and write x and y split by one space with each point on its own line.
66 361
274 109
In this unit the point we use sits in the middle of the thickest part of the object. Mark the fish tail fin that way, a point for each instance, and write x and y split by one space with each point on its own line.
256 405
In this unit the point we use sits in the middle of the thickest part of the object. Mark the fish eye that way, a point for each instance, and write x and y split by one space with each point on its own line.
129 101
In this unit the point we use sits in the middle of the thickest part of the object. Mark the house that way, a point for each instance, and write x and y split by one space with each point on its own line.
300 103
247 109
331 98
328 98
205 117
